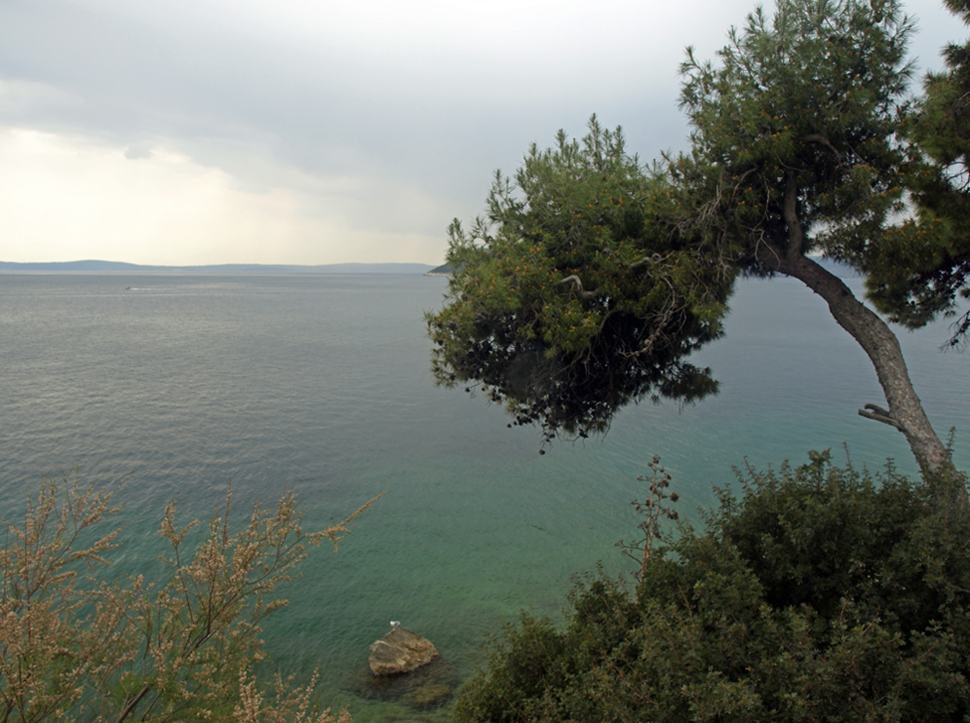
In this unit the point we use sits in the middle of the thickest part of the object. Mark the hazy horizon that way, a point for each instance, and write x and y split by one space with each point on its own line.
106 265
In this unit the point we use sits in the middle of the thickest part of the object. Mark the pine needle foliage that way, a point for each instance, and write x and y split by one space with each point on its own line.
799 116
594 278
819 593
923 271
577 294
79 643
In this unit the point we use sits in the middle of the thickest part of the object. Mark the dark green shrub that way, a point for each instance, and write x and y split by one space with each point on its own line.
821 593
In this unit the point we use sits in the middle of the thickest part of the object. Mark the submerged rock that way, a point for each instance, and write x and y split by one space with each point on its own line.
400 651
428 687
428 696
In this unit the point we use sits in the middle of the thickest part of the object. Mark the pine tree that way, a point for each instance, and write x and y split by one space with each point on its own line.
919 274
594 278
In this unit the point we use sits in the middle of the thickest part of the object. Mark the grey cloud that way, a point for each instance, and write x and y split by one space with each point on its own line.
134 153
410 116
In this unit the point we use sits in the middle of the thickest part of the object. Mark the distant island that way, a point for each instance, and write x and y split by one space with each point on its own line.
111 267
443 270
102 267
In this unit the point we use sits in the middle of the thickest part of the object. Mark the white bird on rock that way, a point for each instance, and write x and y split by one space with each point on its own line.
395 623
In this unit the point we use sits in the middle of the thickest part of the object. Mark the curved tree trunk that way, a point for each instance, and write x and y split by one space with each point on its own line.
905 411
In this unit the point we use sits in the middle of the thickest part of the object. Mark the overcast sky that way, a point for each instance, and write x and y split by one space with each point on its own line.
315 131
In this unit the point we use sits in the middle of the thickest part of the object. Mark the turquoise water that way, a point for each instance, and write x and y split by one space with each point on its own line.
321 385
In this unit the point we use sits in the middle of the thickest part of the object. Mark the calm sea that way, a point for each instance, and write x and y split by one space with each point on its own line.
185 384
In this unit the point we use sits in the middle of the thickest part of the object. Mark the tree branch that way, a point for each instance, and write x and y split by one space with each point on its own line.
132 703
796 236
819 138
578 285
880 415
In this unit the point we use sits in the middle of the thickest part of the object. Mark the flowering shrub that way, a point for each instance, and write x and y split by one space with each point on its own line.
79 644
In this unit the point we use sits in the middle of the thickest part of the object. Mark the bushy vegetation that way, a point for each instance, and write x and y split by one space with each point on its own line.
821 593
78 642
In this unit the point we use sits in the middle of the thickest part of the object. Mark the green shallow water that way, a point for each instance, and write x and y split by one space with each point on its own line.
321 385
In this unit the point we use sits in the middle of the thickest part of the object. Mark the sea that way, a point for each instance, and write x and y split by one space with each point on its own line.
178 387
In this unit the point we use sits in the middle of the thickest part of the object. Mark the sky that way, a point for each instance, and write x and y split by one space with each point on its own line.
191 132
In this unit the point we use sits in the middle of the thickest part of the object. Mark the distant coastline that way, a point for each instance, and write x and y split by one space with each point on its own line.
117 267
443 270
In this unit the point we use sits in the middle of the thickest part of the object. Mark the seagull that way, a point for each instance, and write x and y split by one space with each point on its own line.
395 623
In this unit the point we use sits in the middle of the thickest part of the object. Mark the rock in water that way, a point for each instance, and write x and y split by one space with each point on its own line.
429 696
400 651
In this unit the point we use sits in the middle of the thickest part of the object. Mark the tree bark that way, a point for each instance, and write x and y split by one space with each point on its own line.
873 335
882 347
